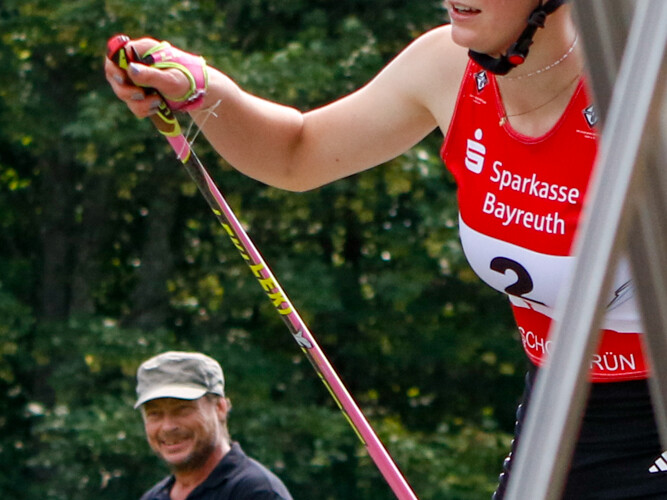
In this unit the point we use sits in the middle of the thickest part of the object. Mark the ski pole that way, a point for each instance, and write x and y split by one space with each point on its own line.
168 125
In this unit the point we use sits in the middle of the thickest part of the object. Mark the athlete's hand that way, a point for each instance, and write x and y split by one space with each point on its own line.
131 86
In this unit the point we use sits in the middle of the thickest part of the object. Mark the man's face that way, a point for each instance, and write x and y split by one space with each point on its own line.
183 433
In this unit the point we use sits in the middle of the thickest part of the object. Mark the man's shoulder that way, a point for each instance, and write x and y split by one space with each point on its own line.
237 477
253 480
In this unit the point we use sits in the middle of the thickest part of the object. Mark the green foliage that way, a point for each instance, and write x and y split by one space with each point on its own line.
108 255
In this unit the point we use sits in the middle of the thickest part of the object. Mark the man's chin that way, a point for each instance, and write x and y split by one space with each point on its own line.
175 452
186 461
182 466
186 464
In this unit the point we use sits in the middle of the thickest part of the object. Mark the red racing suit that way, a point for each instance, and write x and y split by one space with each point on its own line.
520 202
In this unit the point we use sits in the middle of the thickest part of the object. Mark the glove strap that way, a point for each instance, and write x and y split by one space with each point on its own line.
165 56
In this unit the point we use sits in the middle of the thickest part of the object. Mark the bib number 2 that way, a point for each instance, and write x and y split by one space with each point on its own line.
523 284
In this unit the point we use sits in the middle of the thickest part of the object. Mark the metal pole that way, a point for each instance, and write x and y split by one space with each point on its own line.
545 449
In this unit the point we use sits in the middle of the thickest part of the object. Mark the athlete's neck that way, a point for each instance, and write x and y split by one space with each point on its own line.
534 104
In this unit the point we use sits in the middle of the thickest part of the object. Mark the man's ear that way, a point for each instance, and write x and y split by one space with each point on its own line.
223 405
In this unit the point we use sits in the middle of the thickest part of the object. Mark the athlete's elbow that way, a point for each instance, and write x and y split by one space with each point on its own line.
296 181
297 171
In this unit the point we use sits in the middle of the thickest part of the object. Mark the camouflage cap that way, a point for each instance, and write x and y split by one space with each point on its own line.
179 375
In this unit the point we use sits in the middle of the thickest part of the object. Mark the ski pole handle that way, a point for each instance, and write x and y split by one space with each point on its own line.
164 120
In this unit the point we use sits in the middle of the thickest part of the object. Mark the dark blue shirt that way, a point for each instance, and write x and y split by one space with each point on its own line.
236 477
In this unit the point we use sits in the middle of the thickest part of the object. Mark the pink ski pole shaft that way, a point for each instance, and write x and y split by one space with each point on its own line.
167 124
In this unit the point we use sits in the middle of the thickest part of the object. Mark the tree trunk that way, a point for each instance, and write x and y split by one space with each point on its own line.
54 231
150 299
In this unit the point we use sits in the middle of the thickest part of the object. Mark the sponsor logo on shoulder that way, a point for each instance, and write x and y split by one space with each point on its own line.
591 115
482 80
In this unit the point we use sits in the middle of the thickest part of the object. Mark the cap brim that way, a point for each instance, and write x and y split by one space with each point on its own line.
171 391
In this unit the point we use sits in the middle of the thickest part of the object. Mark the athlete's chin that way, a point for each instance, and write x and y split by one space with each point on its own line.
471 41
464 37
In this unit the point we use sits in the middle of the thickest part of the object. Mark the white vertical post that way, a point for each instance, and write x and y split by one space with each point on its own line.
552 422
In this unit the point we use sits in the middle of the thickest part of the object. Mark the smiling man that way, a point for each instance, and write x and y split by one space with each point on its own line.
182 400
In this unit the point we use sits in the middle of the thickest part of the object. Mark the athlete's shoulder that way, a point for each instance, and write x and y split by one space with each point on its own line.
432 59
443 64
438 43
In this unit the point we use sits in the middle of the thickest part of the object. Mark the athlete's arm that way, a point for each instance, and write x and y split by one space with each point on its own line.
283 147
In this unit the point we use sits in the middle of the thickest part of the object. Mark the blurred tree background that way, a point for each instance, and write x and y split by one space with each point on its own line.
109 255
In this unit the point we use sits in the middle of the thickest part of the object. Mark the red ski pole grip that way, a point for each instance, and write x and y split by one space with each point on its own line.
115 47
164 119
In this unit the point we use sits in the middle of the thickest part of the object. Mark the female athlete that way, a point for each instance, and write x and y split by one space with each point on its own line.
505 82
